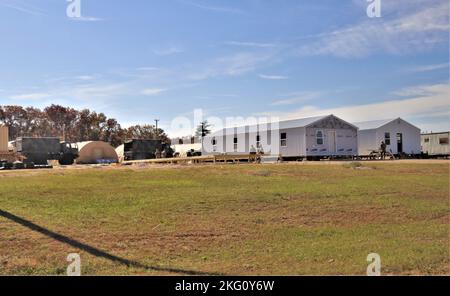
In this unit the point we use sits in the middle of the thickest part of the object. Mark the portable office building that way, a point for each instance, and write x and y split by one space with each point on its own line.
399 136
184 149
436 144
320 136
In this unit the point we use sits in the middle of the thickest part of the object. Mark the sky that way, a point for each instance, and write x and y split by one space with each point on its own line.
145 59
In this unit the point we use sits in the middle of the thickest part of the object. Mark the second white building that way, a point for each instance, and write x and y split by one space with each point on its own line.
399 136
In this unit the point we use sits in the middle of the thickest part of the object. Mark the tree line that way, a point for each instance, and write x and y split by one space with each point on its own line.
72 125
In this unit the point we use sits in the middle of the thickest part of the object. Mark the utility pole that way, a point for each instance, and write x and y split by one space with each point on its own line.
156 129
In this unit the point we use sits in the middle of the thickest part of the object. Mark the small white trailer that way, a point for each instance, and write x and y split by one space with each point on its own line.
436 144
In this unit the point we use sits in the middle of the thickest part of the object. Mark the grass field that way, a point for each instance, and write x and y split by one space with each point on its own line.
232 219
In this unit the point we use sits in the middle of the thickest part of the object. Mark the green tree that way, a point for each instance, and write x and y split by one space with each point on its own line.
203 129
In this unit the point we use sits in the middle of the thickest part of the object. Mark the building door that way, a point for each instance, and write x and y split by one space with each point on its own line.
332 142
399 143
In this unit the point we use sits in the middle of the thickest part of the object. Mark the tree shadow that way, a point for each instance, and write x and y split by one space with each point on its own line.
95 251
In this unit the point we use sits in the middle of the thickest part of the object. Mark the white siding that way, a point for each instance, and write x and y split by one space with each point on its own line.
300 143
182 149
367 141
410 133
344 142
433 146
295 142
246 138
370 139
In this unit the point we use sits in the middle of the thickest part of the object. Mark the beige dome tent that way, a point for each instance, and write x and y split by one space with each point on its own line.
96 152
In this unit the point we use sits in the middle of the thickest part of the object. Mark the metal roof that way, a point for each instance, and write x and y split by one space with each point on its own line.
374 124
301 122
282 124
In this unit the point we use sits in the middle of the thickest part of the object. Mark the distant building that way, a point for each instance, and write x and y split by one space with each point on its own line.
399 136
298 138
4 138
436 144
182 146
185 140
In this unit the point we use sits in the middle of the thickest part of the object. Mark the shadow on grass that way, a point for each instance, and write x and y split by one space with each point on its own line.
94 251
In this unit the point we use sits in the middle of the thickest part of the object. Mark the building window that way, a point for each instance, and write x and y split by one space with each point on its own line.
387 138
214 143
443 141
283 138
235 144
427 140
258 141
180 141
319 138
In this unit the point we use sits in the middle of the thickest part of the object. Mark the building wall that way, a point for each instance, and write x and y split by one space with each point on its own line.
182 149
411 137
300 141
4 138
246 137
295 142
367 141
336 142
433 146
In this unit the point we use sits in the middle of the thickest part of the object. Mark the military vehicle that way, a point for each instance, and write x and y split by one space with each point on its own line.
141 149
137 149
38 151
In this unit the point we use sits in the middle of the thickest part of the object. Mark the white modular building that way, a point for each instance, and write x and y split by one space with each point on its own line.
399 136
320 136
183 149
436 144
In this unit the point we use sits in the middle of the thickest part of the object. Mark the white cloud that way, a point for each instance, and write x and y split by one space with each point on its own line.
234 65
250 44
86 19
30 96
22 7
415 31
297 97
147 69
425 101
85 77
168 51
427 68
422 90
92 90
213 8
153 91
242 63
273 77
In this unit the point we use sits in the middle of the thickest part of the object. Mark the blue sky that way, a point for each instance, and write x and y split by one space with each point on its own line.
144 59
